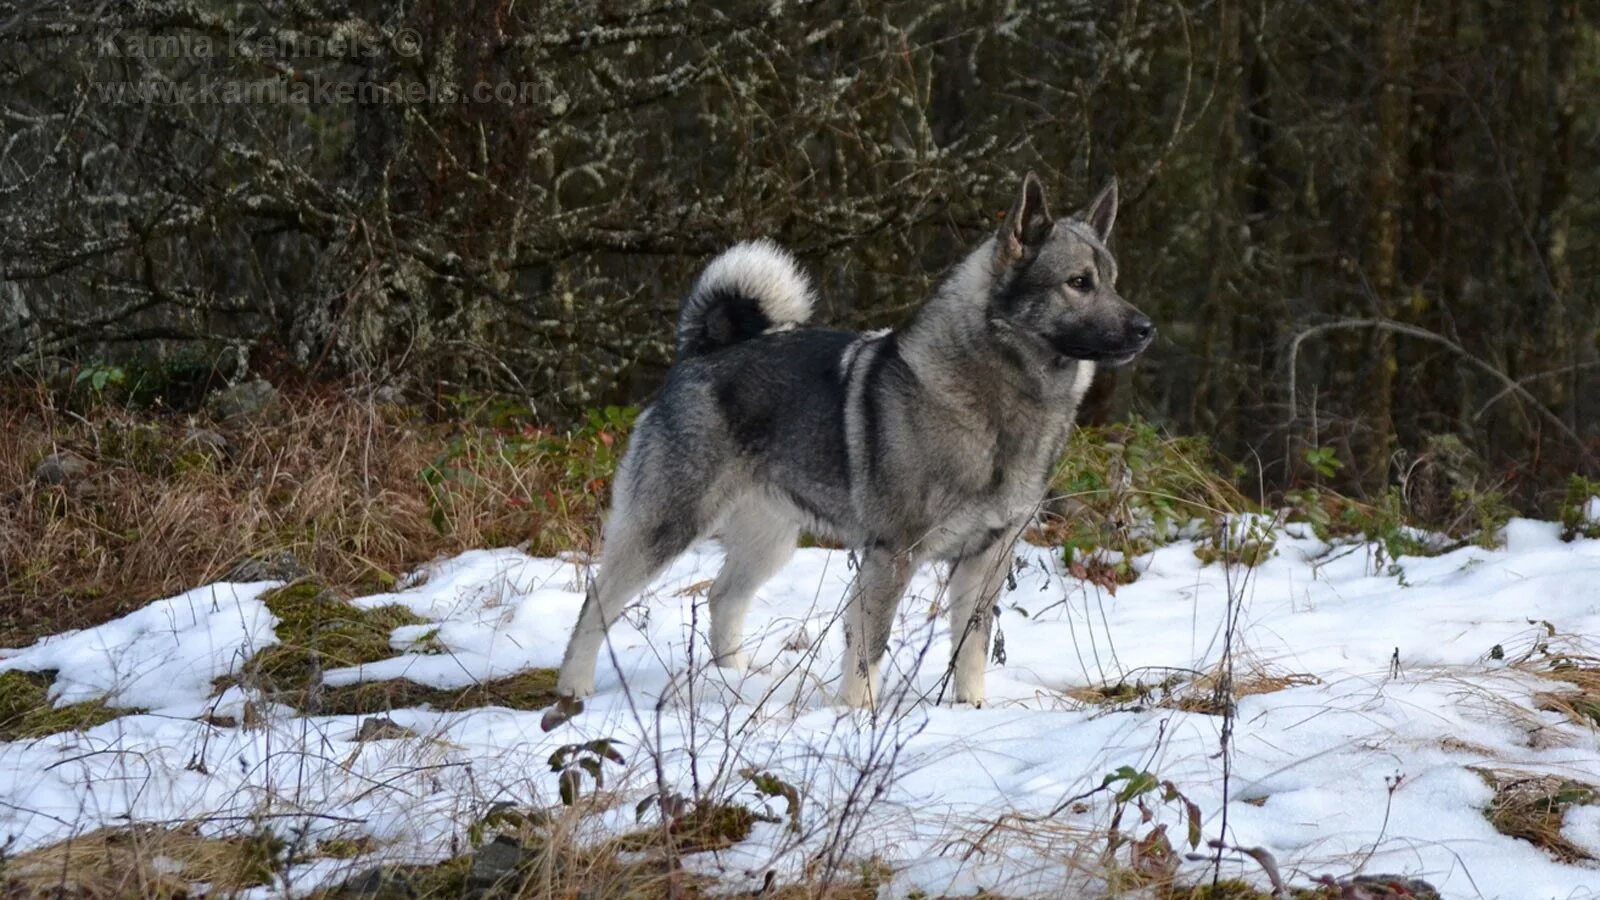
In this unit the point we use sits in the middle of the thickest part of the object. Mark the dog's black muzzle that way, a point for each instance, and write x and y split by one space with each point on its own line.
1108 347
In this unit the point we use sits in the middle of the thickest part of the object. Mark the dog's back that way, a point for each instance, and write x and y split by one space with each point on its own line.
766 415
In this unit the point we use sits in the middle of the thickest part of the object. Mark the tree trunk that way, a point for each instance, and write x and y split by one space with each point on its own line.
1395 23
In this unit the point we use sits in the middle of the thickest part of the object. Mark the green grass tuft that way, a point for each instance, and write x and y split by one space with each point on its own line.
708 826
345 848
318 631
530 690
26 711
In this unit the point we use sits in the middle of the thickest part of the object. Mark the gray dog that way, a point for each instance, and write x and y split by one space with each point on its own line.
932 441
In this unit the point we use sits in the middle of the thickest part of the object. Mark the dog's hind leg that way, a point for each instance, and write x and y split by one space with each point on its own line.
758 540
655 523
975 583
874 597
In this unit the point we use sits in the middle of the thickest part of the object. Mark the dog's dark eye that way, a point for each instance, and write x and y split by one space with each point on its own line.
1080 283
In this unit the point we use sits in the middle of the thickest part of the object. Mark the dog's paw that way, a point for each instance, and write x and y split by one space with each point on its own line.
574 687
560 712
973 695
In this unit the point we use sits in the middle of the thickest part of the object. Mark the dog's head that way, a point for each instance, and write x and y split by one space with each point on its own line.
1055 281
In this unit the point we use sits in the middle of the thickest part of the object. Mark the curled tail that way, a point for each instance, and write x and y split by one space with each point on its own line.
751 288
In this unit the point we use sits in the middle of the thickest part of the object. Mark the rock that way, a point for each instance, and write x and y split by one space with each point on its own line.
57 376
1062 507
1381 887
244 402
62 467
280 566
379 881
382 728
379 395
389 395
204 440
496 862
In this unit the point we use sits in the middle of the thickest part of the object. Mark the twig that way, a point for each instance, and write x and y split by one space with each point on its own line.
1261 855
1389 325
1392 782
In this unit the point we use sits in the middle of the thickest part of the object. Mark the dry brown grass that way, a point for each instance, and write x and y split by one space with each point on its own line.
1185 690
166 863
144 861
1206 694
335 481
1580 703
543 853
1532 806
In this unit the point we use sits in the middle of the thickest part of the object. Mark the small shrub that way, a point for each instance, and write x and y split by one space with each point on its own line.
703 827
713 826
1152 858
1446 488
1443 492
571 761
770 785
98 377
1323 461
1120 491
1246 541
1580 509
1334 517
1154 485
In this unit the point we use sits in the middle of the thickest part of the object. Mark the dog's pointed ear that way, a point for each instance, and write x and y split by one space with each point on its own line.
1101 212
1028 223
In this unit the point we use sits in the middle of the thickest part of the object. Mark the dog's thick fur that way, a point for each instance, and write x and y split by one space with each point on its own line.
933 441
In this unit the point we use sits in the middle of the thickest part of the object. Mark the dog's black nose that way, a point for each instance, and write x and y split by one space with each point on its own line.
1142 329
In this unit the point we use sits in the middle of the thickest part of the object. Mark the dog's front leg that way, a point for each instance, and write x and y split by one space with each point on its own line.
975 583
874 597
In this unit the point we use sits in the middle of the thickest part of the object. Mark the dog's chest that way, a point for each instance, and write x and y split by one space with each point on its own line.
1006 476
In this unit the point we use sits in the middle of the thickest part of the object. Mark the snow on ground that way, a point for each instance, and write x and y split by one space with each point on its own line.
1400 679
163 657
